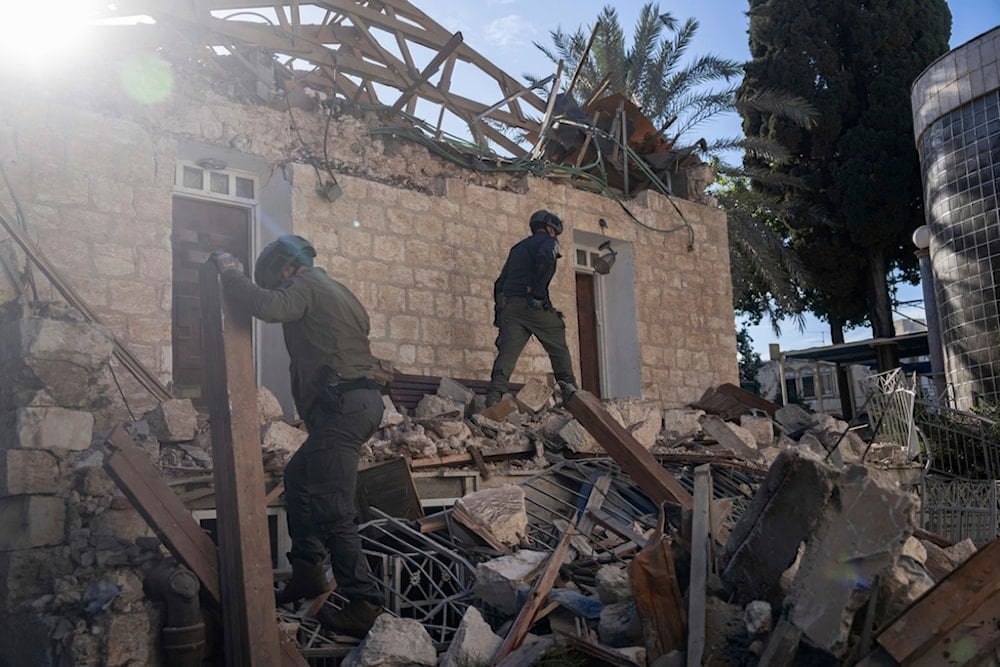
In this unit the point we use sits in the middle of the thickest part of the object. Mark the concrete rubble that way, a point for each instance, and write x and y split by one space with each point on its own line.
813 555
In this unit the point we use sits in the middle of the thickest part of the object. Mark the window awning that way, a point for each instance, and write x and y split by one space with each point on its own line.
863 352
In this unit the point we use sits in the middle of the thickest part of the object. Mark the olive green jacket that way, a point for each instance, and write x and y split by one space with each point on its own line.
324 326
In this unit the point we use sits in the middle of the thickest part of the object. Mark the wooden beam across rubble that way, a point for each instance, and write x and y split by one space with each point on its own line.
655 481
344 48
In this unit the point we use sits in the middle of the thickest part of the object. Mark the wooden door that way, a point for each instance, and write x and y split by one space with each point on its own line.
199 227
586 313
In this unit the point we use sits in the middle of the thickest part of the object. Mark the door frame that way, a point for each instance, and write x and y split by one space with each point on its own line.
583 263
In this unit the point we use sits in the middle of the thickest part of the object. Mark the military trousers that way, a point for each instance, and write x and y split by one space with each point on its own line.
321 482
518 323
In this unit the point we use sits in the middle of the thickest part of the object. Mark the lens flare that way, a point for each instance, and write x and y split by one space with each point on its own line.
147 78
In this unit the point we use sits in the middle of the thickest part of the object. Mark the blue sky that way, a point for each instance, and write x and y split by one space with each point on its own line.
503 32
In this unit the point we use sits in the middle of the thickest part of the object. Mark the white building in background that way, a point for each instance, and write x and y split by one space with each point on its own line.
813 382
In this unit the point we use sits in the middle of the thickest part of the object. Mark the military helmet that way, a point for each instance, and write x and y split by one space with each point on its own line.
541 219
278 255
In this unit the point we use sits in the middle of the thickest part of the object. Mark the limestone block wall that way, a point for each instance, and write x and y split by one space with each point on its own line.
72 550
420 238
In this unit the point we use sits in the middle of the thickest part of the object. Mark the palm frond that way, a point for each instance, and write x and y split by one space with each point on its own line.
793 107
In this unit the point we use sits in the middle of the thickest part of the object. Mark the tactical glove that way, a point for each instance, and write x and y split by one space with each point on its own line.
224 261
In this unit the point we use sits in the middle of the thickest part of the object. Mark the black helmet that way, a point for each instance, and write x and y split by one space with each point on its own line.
288 250
541 219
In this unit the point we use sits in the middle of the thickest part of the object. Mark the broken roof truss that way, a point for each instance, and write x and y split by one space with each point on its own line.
379 52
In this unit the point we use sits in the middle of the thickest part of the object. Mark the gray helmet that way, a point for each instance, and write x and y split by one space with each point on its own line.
288 250
541 219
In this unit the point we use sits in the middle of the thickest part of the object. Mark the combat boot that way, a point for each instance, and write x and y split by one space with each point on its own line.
308 580
355 620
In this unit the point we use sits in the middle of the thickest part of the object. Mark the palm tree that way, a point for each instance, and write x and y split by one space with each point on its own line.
679 94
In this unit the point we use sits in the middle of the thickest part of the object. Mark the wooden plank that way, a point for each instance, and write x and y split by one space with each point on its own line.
701 550
146 489
943 608
429 71
528 655
622 446
617 527
274 494
605 655
477 458
536 598
247 585
594 501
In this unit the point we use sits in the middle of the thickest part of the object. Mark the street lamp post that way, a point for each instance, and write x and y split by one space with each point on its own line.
922 239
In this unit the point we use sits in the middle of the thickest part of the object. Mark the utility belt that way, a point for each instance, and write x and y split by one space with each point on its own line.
345 386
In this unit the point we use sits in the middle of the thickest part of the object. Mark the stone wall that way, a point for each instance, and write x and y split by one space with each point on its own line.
420 238
72 550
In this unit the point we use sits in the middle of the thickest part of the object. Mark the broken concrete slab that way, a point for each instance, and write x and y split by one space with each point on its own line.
174 420
782 514
620 625
849 547
394 642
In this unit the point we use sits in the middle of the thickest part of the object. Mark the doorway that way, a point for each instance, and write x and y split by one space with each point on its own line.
586 313
199 227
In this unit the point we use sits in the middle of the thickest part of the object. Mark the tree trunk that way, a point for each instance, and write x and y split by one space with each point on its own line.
880 312
843 379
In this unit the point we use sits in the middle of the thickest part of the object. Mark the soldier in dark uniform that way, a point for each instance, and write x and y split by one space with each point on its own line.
523 308
326 333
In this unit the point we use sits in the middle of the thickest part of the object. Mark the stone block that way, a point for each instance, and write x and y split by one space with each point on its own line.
129 639
762 429
500 411
28 471
731 437
619 625
578 439
390 415
28 522
29 574
280 437
680 424
793 416
58 360
534 396
394 641
612 583
643 419
455 391
173 420
850 545
52 428
268 407
498 580
783 513
474 642
758 618
432 406
500 511
123 522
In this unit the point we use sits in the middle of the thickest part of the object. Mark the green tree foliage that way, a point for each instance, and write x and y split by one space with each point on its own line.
748 358
854 60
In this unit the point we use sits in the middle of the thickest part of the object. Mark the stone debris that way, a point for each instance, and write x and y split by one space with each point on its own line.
811 534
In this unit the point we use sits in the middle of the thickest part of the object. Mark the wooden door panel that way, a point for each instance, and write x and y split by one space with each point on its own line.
586 313
199 227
